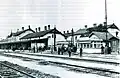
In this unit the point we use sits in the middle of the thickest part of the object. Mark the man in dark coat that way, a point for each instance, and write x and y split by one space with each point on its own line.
69 51
34 49
81 51
51 49
109 50
62 49
59 49
102 49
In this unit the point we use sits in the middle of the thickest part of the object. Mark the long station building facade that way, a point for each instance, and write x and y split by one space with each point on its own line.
29 39
86 38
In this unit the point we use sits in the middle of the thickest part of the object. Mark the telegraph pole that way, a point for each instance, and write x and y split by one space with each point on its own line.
55 38
72 39
106 21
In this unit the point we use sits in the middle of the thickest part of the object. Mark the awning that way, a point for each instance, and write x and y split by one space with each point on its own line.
85 42
25 41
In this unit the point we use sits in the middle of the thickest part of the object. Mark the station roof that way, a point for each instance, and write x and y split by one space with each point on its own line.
78 32
20 32
41 33
81 31
113 26
102 35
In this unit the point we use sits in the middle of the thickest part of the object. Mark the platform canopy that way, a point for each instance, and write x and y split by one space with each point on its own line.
26 41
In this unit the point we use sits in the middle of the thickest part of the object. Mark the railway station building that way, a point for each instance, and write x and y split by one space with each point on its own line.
30 39
92 38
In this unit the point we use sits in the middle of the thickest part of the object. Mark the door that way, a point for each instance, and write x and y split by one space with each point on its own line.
114 45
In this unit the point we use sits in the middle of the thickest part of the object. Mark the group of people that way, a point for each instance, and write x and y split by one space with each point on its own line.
105 50
69 49
36 49
62 49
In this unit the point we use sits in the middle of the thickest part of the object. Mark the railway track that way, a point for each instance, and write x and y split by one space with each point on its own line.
10 70
98 71
7 71
76 59
71 67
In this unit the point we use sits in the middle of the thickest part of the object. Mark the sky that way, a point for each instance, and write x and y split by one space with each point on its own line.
64 14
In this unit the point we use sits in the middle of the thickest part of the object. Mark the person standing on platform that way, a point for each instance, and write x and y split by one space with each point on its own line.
62 49
40 49
59 49
23 48
81 52
106 49
34 49
109 50
51 49
102 49
69 51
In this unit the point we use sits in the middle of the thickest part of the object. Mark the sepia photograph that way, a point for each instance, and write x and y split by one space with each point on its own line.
60 39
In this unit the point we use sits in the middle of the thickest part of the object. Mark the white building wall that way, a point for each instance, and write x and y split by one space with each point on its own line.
84 38
23 34
75 39
94 41
94 37
17 38
113 32
59 37
12 39
69 38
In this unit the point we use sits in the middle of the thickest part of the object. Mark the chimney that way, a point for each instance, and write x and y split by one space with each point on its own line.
22 28
67 31
29 26
85 26
36 29
17 30
45 28
48 27
64 32
95 25
39 29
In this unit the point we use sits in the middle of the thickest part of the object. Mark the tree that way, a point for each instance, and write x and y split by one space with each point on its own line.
99 28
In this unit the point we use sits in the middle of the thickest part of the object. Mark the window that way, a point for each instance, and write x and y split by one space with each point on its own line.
84 45
114 42
87 45
97 45
52 36
91 46
75 37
